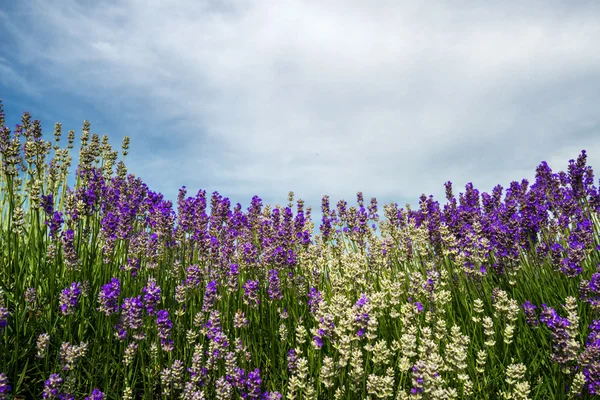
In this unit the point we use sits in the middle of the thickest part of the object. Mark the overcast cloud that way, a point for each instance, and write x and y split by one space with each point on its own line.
330 97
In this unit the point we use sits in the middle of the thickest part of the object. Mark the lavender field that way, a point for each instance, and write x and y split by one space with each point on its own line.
110 291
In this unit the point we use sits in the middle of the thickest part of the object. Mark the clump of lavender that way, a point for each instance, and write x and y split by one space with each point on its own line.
69 298
4 386
251 293
109 297
151 296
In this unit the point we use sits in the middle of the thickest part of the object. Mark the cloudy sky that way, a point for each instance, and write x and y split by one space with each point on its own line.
392 98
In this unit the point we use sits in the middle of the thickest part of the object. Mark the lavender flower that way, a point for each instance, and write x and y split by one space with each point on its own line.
232 277
4 317
240 320
31 298
69 251
69 298
529 310
562 343
292 359
108 297
210 296
273 396
55 224
250 295
314 299
361 314
590 290
194 276
52 386
47 204
42 345
274 285
589 359
151 296
70 354
4 386
164 325
253 383
95 395
131 313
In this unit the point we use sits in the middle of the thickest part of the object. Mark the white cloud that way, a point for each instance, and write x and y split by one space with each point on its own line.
391 98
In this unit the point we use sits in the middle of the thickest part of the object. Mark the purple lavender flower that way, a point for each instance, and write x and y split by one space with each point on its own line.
232 276
529 310
417 377
292 359
4 386
31 298
589 359
52 386
95 395
250 295
164 325
55 224
419 306
131 312
361 317
151 296
318 338
589 291
210 296
69 298
109 296
314 299
47 204
561 339
194 276
274 285
69 251
3 317
253 384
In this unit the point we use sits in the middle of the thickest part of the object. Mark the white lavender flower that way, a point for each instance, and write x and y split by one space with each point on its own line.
42 345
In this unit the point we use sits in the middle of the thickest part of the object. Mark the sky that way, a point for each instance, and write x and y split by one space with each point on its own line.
391 98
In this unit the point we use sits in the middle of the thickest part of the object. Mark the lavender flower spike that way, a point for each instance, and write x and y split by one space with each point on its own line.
109 296
96 395
4 386
69 298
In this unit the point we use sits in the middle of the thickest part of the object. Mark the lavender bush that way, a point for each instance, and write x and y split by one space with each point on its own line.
110 291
